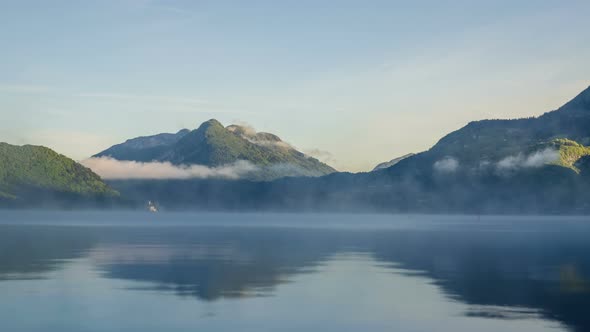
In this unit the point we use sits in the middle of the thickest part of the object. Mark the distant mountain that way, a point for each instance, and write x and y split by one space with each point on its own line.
533 165
214 145
32 175
392 162
145 148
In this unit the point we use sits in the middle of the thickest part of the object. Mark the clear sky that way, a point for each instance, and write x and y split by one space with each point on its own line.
364 80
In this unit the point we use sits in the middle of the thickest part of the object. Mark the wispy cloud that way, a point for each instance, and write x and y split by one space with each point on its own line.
177 104
24 88
138 97
250 134
109 168
321 155
533 160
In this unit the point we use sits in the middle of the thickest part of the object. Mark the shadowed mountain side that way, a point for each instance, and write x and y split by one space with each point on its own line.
145 148
551 189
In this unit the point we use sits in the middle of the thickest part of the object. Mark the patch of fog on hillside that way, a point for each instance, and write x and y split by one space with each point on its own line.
446 165
533 160
112 169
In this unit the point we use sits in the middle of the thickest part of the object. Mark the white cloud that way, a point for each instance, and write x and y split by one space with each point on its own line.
446 165
533 160
321 155
250 134
247 129
109 168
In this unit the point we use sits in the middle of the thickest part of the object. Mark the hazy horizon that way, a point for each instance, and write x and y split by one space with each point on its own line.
357 83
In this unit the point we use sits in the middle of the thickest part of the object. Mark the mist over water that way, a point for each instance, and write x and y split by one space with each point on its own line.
97 271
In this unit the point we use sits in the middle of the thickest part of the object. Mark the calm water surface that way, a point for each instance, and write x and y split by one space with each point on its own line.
91 271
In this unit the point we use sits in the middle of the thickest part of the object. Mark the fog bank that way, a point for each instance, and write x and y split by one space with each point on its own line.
112 169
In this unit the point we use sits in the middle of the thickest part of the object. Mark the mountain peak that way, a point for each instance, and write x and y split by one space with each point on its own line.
183 132
214 145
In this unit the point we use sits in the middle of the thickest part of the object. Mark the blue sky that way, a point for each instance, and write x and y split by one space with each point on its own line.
366 81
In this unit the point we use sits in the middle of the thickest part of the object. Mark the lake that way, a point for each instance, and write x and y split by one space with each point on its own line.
124 271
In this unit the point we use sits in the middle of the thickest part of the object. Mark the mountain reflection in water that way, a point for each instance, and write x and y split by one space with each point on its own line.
495 271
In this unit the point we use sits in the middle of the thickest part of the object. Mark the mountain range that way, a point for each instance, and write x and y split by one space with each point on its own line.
214 145
532 165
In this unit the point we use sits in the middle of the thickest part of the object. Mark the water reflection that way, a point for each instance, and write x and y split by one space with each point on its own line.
500 274
546 270
210 263
29 252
